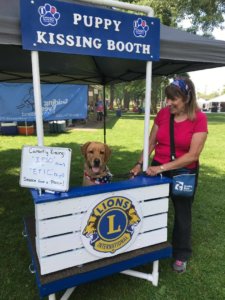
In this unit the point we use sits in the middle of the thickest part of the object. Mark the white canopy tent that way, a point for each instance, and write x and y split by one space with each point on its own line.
220 99
217 104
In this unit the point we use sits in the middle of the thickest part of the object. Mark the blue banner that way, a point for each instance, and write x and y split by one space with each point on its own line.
56 26
59 102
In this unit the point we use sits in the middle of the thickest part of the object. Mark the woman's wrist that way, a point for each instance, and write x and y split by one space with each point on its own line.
162 168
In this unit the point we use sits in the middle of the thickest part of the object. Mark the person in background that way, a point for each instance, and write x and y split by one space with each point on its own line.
99 109
190 133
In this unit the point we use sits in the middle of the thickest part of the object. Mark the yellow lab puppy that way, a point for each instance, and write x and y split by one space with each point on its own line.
96 155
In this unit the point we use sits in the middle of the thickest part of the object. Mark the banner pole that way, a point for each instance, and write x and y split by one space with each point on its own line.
37 97
148 89
104 116
147 114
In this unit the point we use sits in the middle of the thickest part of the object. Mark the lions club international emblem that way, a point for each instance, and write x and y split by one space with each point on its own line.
112 225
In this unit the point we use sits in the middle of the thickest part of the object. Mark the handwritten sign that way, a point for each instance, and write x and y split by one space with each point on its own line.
45 167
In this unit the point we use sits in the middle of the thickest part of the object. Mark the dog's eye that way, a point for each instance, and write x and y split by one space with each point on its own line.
91 151
102 152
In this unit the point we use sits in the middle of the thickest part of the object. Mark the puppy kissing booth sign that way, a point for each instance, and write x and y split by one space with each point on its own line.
77 29
96 223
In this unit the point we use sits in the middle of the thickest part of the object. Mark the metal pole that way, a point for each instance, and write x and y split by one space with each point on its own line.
104 116
138 274
37 97
148 88
125 5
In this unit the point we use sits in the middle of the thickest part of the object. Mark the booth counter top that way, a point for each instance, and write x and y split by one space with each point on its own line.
137 182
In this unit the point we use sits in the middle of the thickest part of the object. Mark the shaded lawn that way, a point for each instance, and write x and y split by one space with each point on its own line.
205 278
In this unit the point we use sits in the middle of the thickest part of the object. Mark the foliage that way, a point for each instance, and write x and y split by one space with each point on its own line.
126 92
208 96
223 90
204 14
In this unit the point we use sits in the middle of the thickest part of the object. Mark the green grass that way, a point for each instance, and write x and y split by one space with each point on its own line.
205 278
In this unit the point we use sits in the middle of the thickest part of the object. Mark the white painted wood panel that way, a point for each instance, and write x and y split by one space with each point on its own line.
154 207
58 226
81 204
73 258
58 244
66 224
153 222
66 242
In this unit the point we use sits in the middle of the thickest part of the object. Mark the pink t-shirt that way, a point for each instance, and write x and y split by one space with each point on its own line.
183 132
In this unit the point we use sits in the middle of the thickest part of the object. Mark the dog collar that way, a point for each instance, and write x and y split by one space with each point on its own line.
99 180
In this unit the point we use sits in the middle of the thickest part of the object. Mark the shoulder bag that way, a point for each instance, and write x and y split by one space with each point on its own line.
184 179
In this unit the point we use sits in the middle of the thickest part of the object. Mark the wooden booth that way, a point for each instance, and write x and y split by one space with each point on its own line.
68 248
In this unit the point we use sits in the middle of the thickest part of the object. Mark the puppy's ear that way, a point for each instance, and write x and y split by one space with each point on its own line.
108 152
84 148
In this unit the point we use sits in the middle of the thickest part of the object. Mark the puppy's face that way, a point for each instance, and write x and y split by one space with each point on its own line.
96 155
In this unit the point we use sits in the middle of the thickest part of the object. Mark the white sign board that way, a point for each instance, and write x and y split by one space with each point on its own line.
45 167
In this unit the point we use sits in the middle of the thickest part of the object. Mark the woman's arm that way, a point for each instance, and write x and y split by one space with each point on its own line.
197 144
152 142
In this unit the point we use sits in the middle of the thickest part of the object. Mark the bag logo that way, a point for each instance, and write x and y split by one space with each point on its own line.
140 28
49 15
111 225
181 186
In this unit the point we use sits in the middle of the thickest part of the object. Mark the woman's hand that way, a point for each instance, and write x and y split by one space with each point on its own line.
153 171
136 169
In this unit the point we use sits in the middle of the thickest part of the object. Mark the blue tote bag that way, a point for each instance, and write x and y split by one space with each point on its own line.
183 185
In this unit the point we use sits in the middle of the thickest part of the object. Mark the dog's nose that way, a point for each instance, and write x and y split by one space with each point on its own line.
96 162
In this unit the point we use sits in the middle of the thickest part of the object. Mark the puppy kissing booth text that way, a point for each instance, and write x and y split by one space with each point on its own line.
90 42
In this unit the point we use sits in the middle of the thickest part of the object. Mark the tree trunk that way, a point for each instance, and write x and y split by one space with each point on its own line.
111 96
126 99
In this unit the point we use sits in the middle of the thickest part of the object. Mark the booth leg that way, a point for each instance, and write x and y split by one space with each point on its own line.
68 293
154 277
155 273
65 296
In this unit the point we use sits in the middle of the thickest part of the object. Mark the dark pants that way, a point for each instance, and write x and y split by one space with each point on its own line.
181 236
99 116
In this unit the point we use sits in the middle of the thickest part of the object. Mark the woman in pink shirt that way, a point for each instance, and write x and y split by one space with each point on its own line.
190 133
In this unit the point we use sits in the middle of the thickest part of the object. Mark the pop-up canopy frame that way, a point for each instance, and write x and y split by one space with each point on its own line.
180 51
37 86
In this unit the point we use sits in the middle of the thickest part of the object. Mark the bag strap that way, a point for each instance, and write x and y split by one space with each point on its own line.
172 145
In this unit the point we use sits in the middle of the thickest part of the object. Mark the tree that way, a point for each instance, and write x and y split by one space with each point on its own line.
208 96
111 95
204 14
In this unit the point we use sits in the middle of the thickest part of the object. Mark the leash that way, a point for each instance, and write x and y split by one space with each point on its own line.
129 175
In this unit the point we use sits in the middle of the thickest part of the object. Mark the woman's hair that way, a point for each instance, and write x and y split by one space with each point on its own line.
185 89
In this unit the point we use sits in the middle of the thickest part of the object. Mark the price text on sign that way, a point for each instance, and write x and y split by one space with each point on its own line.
45 167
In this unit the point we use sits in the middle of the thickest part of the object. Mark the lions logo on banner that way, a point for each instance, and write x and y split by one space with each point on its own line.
111 226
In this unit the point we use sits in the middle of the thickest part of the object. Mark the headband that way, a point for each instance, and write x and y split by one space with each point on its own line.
182 85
